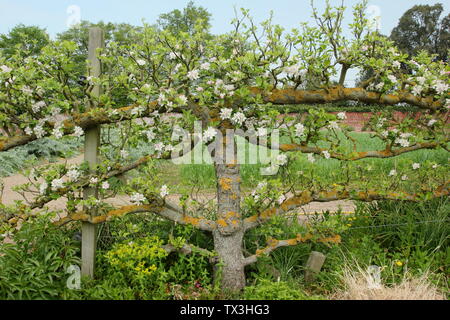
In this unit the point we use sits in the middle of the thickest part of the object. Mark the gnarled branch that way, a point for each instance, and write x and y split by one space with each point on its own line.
306 197
168 211
274 244
339 93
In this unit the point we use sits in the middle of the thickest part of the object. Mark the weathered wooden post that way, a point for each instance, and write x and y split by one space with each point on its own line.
313 265
91 148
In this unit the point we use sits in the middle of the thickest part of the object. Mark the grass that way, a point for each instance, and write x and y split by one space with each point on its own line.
359 285
331 170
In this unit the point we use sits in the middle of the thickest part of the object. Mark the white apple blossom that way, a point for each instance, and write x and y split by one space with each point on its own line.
78 131
261 132
57 184
43 188
440 86
73 174
159 146
421 80
261 185
183 99
417 90
5 69
229 87
294 71
141 62
205 66
311 158
434 166
27 90
209 134
137 198
299 130
406 135
164 192
58 132
333 125
392 78
281 159
172 56
28 131
281 199
396 64
193 75
416 166
403 142
379 86
380 122
39 131
341 116
404 177
169 148
431 122
238 118
38 106
94 180
385 133
326 154
392 173
150 135
105 185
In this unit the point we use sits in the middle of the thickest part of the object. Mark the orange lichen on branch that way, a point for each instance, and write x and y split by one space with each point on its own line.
191 220
339 93
222 223
334 239
273 244
289 147
225 183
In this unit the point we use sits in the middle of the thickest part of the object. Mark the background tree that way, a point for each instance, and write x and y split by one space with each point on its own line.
178 21
29 39
421 28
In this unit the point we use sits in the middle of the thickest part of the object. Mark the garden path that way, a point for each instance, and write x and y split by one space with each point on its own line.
9 196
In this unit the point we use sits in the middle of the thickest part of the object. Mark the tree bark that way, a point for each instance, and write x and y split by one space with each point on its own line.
228 237
229 250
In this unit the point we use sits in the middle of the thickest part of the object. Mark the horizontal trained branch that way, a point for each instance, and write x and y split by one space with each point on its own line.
41 201
275 96
274 244
386 153
339 93
306 197
166 210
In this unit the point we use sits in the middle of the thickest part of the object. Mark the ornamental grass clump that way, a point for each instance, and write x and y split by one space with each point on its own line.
359 285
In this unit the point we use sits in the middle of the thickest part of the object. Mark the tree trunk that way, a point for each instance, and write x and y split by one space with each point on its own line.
229 249
230 232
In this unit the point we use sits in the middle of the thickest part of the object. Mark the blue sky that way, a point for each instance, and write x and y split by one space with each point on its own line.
53 15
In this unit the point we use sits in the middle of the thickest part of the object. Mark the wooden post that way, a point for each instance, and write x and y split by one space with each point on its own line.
313 265
91 148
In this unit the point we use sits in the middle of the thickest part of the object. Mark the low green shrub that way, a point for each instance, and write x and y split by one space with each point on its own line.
23 157
269 290
35 265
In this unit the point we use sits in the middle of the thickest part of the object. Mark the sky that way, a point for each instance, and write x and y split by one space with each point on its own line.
57 15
